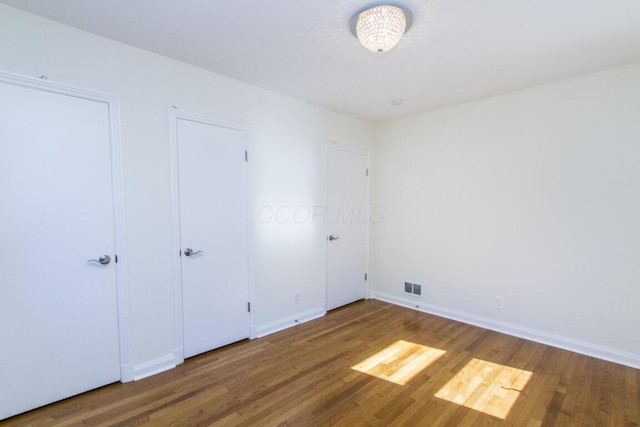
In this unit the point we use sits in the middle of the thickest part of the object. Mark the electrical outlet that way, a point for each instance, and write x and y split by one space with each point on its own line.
499 302
297 298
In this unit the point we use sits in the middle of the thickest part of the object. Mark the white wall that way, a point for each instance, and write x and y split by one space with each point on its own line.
534 196
288 162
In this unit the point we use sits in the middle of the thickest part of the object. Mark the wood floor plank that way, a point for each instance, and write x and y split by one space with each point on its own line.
305 376
632 388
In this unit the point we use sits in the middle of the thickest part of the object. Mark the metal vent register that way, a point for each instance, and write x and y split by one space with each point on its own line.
412 288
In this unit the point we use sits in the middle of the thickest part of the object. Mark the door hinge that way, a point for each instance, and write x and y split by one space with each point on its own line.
367 172
246 156
116 257
365 276
249 307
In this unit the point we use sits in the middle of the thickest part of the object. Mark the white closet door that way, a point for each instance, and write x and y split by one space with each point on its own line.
347 227
212 175
58 312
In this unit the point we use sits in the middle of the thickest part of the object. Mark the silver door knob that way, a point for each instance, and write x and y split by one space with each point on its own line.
332 238
189 252
104 260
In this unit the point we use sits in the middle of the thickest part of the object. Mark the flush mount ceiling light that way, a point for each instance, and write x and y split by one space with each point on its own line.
379 28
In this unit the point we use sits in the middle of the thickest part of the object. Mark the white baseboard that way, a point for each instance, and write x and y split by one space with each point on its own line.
588 349
288 322
153 367
126 373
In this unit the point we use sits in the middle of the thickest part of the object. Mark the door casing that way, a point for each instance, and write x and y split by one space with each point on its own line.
331 145
115 145
174 115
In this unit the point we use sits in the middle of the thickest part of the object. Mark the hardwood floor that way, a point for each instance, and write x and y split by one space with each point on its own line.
303 376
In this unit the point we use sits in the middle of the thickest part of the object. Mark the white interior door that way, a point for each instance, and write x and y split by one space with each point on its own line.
212 175
58 312
347 227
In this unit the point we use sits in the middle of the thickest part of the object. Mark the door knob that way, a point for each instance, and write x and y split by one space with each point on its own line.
332 238
189 252
104 260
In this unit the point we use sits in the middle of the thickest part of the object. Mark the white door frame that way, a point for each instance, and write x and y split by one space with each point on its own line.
332 145
126 368
174 115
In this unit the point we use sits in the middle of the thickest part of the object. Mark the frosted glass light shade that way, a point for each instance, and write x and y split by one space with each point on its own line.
381 27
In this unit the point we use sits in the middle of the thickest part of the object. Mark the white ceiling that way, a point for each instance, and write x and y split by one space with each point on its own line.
456 51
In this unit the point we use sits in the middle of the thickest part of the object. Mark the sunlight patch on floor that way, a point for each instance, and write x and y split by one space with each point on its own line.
400 362
486 387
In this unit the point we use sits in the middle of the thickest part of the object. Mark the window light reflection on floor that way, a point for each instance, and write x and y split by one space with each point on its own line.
400 362
486 387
